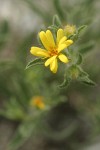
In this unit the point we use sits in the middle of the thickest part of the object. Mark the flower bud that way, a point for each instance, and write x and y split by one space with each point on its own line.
69 30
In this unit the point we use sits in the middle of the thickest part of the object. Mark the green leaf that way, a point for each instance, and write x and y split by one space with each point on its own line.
23 133
59 9
81 29
86 47
65 83
37 61
27 128
84 77
67 79
53 27
75 72
87 80
72 73
79 60
13 110
75 36
56 21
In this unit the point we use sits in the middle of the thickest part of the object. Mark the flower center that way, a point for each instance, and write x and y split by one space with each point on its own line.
53 51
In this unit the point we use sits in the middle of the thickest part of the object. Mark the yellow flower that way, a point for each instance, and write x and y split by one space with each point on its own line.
69 30
37 101
53 50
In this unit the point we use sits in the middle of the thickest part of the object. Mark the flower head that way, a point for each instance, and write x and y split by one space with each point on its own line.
37 101
53 49
69 30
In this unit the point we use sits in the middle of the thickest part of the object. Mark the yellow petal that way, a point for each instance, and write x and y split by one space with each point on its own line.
69 42
63 40
60 34
48 62
36 51
50 38
63 58
61 47
54 65
43 54
44 40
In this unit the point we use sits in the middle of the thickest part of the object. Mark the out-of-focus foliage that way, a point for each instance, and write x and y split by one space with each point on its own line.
74 122
4 33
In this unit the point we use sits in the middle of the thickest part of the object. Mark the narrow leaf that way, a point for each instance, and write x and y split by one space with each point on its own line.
84 77
59 9
79 60
37 61
66 80
53 27
75 36
56 21
23 133
87 81
81 29
86 47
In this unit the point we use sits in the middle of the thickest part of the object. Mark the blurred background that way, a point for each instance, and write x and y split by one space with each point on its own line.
74 121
